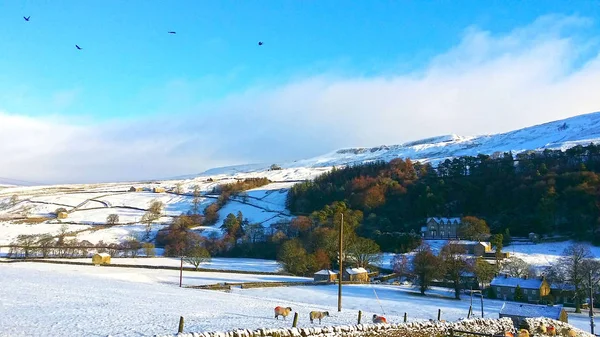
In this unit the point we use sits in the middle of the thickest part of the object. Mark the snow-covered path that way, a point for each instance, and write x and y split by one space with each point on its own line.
64 300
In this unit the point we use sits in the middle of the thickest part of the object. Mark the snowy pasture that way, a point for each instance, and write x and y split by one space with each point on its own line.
57 300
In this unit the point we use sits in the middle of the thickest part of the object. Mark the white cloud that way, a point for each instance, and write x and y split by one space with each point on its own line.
486 84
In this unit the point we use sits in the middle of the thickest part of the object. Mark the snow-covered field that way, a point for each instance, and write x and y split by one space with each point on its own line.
64 300
545 254
216 263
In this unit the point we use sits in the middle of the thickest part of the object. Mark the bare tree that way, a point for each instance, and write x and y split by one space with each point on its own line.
45 241
27 244
197 255
196 201
573 268
14 200
400 265
156 208
515 267
149 249
112 219
179 188
364 253
426 267
455 265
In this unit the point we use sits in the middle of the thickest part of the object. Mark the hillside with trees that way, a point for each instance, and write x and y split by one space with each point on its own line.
542 192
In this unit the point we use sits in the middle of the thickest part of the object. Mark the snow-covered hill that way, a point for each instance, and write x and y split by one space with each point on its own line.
90 204
562 134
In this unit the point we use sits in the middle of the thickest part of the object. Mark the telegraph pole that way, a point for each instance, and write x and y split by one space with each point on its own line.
341 274
181 272
591 305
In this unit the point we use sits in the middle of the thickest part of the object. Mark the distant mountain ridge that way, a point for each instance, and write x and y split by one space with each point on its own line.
560 134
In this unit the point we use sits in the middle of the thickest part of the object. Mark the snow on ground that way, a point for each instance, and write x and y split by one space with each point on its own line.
545 254
175 204
98 216
9 231
254 214
67 199
118 233
216 263
59 300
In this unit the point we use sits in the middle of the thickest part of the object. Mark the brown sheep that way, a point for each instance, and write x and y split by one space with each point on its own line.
318 315
281 311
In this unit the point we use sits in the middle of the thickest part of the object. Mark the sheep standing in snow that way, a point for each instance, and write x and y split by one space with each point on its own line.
523 333
551 330
281 311
318 315
379 319
542 329
568 332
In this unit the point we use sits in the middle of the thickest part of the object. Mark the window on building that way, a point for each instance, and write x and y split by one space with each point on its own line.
498 289
442 233
512 290
533 292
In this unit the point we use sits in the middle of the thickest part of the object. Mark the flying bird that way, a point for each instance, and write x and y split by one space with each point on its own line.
172 32
76 46
26 18
260 43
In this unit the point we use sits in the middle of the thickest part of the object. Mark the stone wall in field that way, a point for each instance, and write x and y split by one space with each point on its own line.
411 329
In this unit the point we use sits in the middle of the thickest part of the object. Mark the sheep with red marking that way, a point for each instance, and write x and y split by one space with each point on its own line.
282 311
379 319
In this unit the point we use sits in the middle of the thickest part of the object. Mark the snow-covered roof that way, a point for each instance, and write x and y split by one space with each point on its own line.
354 271
444 220
103 254
530 310
513 282
326 272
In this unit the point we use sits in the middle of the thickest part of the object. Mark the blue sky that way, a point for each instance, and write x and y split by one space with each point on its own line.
201 82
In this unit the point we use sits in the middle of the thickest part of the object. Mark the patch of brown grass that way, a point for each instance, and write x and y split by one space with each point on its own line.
31 221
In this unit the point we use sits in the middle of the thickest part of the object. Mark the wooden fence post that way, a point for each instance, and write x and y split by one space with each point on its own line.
180 324
405 317
359 316
295 323
451 332
439 314
470 312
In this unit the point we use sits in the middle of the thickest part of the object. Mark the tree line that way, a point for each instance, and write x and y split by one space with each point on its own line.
543 192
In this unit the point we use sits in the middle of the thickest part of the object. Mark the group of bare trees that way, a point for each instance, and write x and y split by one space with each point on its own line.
65 245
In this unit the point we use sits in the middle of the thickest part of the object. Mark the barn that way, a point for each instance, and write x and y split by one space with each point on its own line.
326 275
62 215
356 275
519 311
158 190
101 258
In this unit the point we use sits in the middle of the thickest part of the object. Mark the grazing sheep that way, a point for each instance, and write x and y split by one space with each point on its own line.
542 329
281 311
508 334
379 319
523 333
318 315
568 332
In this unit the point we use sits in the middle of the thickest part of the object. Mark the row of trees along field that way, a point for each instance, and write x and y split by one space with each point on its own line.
543 192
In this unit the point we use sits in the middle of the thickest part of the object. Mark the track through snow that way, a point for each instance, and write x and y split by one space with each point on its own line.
62 300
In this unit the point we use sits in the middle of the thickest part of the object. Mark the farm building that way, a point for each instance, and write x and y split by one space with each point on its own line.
356 275
326 275
534 289
158 190
440 228
519 311
136 189
62 215
101 258
477 248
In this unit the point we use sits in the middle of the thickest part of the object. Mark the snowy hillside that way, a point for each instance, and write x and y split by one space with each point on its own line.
562 134
88 205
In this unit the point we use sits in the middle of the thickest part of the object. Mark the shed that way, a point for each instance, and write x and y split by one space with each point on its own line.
158 190
326 275
101 258
519 311
62 215
356 275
